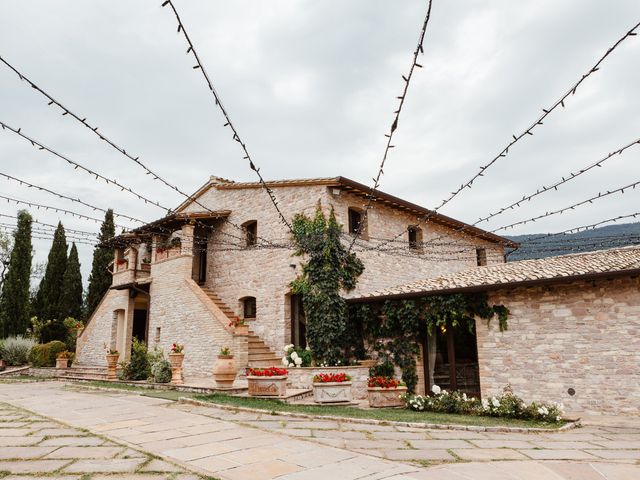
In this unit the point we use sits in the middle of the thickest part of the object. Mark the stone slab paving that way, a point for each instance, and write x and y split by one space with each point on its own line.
242 445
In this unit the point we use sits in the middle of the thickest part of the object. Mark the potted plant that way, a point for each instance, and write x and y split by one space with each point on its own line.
239 327
112 363
62 359
224 370
146 264
331 388
176 357
385 392
267 382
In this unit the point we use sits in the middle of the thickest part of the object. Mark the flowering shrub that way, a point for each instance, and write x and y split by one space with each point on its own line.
384 382
331 378
296 356
225 352
236 322
177 348
506 405
267 372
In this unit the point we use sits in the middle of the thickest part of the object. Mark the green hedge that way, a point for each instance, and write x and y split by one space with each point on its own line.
44 354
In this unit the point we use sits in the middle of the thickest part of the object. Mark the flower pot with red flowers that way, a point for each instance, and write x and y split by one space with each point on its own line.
267 382
176 357
62 360
385 392
112 363
332 388
239 327
224 370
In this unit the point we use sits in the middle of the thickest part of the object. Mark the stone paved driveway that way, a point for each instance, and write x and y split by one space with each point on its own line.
241 445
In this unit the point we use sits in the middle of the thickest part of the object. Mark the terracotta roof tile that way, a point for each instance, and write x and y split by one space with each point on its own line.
551 268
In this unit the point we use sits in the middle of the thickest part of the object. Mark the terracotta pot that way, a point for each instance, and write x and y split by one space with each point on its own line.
62 363
224 371
332 392
267 386
112 364
385 397
241 330
176 360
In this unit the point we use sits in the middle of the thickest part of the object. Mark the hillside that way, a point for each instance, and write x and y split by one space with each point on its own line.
609 236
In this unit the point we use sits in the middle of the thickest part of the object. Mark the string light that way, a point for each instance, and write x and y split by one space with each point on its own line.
394 125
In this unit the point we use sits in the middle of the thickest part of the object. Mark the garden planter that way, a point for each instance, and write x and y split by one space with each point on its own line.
385 397
112 364
332 392
275 386
224 371
241 330
176 360
62 363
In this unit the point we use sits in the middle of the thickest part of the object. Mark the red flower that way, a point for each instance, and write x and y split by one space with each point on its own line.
331 378
384 382
267 372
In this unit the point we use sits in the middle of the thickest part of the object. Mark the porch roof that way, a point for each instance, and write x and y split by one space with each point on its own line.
166 225
579 266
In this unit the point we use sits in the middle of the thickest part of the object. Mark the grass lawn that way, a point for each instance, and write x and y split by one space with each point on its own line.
384 414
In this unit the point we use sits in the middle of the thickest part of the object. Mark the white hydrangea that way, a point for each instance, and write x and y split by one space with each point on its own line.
297 361
285 361
436 389
495 402
291 365
294 355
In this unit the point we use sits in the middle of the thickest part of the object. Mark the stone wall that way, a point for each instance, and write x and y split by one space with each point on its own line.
181 313
584 336
100 330
303 378
265 273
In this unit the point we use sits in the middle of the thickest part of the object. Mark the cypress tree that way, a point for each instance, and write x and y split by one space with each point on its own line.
100 277
71 297
50 288
14 299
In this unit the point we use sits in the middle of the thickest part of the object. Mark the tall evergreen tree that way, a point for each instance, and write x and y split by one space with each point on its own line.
14 299
71 298
100 278
50 288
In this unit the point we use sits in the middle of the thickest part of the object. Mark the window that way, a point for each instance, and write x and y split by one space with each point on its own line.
415 237
249 307
355 220
481 256
251 232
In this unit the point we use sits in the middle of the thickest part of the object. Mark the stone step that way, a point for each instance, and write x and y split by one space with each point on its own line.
261 350
264 363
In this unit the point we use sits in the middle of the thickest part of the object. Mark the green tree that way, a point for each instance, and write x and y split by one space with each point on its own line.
14 299
71 297
329 269
5 255
100 277
50 288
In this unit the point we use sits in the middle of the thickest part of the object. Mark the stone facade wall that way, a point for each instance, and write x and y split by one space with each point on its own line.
101 329
303 378
266 273
185 315
584 336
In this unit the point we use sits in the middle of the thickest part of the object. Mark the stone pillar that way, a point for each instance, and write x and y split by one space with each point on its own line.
187 239
241 351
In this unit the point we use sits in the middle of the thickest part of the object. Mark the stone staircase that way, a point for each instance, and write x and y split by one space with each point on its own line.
84 372
260 355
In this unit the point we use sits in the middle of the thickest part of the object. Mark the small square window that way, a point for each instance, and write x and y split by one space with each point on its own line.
415 238
249 307
355 220
251 233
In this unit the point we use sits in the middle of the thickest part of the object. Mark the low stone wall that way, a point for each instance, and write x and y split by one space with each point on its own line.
303 378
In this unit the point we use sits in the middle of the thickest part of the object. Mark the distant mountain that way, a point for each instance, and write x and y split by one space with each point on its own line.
611 236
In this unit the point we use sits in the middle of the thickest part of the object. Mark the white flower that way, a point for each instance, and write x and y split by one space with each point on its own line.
495 402
464 397
308 349
297 361
294 355
291 365
436 389
485 403
558 418
285 361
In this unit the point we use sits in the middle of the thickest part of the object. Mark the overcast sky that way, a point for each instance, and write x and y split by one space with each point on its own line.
311 87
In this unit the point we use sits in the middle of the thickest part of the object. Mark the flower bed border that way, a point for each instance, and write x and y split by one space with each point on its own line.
370 421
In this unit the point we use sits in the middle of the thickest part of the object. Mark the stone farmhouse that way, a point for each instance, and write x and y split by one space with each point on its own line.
573 333
224 254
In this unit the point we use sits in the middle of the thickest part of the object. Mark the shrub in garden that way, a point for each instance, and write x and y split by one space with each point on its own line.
296 356
138 367
507 405
15 350
44 354
384 369
161 371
